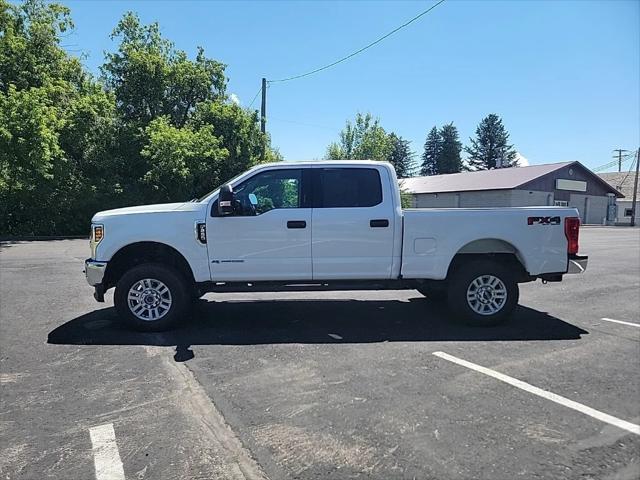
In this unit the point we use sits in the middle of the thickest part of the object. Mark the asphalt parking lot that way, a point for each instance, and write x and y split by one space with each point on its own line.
321 385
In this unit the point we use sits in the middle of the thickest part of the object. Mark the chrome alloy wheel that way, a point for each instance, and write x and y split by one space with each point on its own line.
487 295
149 299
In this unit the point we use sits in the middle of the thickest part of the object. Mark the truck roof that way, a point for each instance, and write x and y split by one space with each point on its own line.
342 163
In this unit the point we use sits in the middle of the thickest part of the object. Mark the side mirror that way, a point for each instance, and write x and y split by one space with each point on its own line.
225 201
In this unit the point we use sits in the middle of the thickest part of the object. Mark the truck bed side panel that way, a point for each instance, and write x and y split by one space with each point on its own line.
432 237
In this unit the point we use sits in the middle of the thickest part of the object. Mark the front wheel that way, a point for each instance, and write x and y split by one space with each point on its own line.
151 297
483 293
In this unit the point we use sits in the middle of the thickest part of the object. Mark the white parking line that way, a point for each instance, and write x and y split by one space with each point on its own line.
106 457
620 321
630 427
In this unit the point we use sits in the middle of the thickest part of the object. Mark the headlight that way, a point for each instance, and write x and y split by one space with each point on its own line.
97 234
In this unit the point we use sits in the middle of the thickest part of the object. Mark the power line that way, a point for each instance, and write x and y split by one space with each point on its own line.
612 164
620 150
255 96
605 166
635 159
375 42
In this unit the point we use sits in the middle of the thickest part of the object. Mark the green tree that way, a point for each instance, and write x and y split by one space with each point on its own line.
406 198
401 156
53 124
30 54
53 152
239 133
150 78
183 162
159 127
449 159
87 139
363 139
29 156
491 148
431 154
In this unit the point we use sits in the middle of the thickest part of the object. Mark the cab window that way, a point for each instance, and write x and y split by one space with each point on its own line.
347 187
267 191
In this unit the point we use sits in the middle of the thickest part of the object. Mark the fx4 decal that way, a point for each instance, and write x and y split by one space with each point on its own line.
543 221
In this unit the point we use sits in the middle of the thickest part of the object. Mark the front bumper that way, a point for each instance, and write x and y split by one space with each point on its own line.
94 271
577 263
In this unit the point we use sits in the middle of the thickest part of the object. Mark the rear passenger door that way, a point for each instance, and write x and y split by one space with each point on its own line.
352 223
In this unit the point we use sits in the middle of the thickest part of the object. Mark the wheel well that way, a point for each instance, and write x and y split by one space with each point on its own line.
488 245
145 252
493 249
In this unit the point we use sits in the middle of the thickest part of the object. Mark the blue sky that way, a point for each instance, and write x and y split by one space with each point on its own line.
564 75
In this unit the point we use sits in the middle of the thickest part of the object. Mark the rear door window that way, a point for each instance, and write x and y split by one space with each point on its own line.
346 187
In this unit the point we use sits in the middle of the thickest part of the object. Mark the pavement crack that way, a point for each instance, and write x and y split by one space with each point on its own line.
198 405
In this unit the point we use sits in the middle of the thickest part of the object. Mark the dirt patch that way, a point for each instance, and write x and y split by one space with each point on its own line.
298 450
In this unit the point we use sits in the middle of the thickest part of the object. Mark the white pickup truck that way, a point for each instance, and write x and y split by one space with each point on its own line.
335 225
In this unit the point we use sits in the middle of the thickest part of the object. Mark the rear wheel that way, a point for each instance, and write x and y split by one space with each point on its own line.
483 293
151 297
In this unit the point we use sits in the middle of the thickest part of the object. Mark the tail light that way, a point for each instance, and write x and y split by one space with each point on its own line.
572 231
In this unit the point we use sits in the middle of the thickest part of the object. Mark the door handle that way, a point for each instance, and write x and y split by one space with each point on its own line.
379 223
296 224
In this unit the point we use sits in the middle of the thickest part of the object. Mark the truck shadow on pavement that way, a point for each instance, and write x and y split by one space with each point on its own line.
312 321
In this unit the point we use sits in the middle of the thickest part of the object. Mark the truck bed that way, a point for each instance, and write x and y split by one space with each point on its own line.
431 237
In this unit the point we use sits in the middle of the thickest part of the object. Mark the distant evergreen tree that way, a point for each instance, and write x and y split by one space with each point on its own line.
449 159
401 156
432 148
491 148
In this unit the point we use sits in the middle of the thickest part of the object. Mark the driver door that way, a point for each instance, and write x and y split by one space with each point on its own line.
268 236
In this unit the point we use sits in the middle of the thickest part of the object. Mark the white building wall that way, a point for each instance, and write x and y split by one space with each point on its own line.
624 204
596 207
530 198
592 209
487 198
435 200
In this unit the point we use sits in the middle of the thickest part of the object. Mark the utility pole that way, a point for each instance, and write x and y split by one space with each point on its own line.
635 190
263 108
263 117
620 150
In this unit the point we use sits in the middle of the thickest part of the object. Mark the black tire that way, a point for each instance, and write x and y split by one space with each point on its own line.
179 297
493 313
434 293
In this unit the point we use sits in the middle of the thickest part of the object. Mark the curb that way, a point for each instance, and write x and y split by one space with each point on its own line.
620 226
41 238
